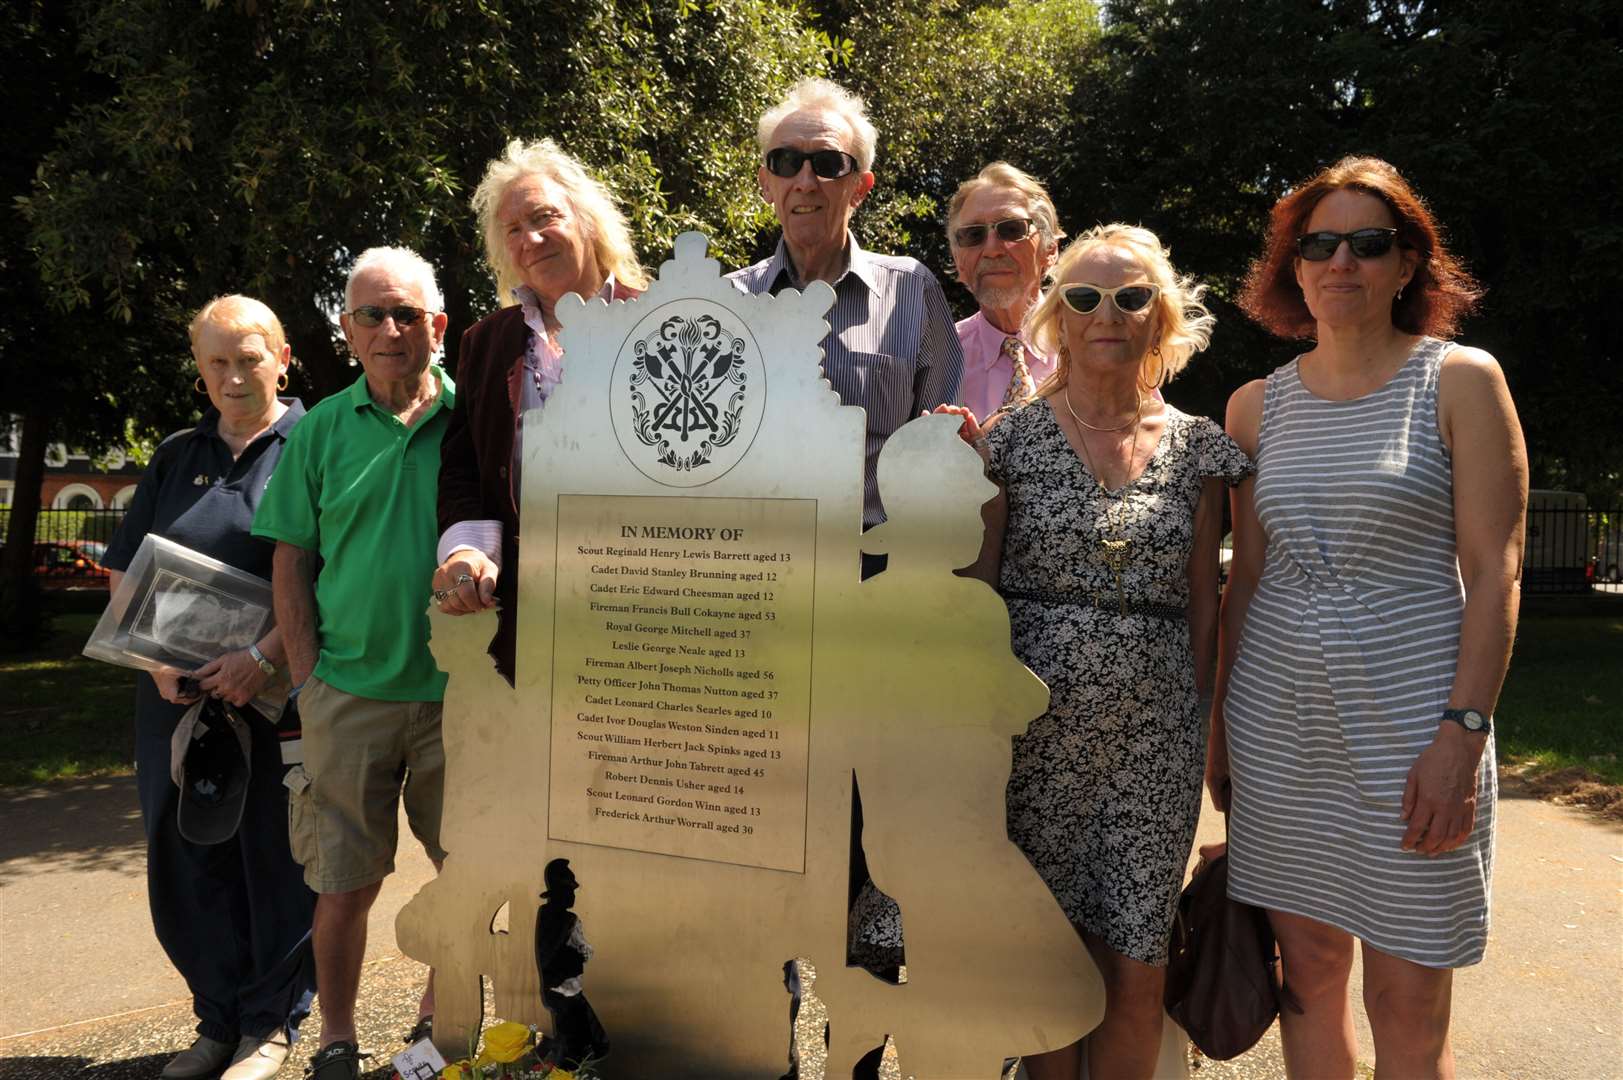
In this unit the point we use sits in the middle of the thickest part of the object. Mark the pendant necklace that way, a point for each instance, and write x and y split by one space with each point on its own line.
1115 549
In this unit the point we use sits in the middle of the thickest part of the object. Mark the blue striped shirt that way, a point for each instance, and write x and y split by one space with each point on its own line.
891 347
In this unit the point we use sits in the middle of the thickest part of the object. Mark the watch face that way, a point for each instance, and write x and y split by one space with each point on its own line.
1473 720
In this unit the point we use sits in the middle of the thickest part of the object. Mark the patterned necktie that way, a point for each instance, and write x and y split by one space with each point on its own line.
1020 386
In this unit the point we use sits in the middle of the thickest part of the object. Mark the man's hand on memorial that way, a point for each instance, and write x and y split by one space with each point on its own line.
168 680
465 583
235 677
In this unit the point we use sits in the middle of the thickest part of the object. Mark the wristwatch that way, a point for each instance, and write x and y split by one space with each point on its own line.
259 658
1470 719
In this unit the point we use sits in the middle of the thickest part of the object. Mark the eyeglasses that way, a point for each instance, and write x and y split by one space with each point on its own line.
1009 230
1365 243
1129 299
827 164
370 315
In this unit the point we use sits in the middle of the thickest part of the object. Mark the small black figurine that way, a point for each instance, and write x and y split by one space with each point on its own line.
561 952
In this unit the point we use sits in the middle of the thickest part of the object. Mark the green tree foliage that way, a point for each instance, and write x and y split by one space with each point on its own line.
952 86
64 376
258 145
1501 113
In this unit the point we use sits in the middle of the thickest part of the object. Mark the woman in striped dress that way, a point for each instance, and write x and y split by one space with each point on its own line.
1368 620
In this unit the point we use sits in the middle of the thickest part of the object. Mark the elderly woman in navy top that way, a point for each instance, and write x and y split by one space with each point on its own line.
234 917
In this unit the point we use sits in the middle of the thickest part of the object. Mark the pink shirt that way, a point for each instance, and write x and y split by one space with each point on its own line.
987 371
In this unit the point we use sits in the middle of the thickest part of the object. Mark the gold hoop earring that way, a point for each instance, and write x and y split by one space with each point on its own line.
281 381
197 385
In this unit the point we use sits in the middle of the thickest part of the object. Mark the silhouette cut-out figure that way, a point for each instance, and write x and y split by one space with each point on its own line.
561 952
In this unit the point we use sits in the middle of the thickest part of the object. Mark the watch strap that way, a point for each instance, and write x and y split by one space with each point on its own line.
1472 720
259 658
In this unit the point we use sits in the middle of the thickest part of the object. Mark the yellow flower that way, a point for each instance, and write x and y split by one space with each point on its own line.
505 1042
453 1071
560 1074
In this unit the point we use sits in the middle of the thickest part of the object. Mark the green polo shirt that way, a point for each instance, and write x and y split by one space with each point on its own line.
359 487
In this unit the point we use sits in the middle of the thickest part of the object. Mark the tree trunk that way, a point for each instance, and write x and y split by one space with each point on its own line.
21 614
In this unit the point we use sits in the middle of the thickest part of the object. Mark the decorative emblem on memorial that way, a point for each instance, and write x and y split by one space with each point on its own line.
703 678
691 386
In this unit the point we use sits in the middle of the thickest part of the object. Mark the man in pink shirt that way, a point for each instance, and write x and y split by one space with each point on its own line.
1005 236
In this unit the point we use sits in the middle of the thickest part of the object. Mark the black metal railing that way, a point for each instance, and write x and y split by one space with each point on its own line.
69 545
1569 550
1572 550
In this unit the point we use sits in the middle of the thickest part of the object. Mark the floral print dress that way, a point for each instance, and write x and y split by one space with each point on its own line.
1105 790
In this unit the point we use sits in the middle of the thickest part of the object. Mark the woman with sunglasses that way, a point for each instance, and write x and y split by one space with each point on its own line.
550 228
1103 540
1368 620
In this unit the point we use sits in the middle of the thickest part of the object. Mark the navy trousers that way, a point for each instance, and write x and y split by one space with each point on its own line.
234 917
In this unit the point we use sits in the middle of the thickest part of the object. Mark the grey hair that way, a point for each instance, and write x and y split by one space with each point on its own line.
593 204
821 95
1001 174
397 258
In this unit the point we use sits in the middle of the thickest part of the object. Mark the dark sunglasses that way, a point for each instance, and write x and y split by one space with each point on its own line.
370 315
828 164
1365 243
1129 299
1009 230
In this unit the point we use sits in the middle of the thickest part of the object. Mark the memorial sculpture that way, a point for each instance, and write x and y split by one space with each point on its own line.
701 673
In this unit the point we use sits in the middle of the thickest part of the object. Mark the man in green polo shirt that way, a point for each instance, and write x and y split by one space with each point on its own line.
355 494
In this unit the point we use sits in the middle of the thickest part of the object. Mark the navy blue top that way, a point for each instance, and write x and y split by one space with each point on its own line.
194 494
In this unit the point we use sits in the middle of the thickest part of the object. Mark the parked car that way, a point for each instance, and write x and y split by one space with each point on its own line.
69 564
1609 561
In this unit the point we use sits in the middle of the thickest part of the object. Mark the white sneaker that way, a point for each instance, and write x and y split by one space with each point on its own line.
258 1058
205 1057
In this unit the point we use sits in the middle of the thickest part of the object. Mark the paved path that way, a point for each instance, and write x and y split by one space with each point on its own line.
87 991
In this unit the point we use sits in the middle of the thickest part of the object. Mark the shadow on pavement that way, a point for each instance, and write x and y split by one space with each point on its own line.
37 1068
71 825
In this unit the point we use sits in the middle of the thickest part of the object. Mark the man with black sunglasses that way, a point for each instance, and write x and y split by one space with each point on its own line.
1005 237
355 493
891 347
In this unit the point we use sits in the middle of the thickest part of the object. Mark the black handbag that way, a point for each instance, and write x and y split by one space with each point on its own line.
1223 985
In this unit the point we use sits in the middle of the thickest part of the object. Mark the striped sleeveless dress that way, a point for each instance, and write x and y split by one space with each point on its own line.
1346 660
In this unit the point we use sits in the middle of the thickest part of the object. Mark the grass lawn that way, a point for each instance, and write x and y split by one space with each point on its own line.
1562 704
63 714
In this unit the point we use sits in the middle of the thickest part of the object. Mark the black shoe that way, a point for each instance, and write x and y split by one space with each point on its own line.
336 1061
424 1029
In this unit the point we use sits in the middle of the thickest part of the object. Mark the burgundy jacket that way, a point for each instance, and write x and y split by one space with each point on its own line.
476 454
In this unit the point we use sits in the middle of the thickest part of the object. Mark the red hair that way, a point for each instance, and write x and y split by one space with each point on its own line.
1441 293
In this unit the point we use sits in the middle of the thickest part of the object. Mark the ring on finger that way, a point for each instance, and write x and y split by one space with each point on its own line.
464 579
440 595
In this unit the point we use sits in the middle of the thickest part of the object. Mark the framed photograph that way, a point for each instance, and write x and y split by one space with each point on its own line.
179 608
188 618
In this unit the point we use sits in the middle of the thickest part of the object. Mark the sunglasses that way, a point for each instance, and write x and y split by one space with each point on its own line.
1365 243
1009 230
1129 299
827 164
370 315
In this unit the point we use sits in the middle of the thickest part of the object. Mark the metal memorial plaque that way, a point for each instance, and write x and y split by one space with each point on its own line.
702 678
682 677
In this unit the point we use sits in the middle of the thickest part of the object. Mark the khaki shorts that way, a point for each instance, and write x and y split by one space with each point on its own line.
358 752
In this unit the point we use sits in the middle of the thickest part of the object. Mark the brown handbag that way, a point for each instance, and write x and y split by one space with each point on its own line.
1223 984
